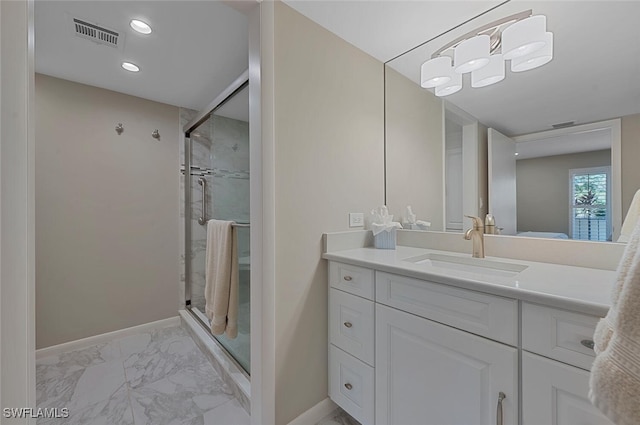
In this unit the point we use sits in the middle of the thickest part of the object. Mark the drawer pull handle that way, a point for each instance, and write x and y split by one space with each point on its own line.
501 396
588 343
348 324
348 278
348 386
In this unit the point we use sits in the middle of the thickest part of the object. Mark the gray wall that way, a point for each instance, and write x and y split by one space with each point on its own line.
329 161
542 186
414 155
107 253
630 154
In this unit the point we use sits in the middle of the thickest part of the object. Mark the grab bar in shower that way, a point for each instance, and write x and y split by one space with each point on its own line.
203 218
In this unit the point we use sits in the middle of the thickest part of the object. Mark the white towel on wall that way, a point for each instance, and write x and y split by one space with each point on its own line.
615 374
221 289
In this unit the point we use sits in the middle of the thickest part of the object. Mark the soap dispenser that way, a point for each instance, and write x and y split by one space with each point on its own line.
489 225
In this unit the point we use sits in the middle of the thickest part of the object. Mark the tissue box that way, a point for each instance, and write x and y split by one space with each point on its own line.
385 239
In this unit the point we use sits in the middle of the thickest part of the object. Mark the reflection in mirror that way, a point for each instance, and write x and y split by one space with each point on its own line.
553 149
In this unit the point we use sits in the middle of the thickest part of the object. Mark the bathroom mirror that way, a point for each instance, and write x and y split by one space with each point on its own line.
445 156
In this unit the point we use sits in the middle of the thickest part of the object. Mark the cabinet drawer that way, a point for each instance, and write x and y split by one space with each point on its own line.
353 279
351 385
486 315
558 334
351 324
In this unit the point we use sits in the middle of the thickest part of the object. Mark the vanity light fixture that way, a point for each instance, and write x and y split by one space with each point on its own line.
435 72
130 66
490 74
452 86
471 54
521 38
535 59
524 37
140 26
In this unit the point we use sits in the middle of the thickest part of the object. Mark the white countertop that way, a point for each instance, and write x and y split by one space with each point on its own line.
579 289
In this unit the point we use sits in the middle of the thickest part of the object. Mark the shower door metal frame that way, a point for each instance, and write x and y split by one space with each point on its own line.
238 84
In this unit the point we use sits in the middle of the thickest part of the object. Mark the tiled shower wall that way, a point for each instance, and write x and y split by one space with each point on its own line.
227 153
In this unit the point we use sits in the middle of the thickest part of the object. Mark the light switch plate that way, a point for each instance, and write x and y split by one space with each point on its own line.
356 219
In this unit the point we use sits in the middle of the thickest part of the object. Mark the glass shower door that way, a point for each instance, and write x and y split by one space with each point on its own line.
219 189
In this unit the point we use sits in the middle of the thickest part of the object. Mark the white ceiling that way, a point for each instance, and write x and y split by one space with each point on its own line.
575 142
387 28
199 47
196 49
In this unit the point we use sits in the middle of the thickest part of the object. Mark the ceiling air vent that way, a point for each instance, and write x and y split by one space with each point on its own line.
96 33
563 124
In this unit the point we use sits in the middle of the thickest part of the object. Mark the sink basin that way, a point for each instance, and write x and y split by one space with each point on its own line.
469 264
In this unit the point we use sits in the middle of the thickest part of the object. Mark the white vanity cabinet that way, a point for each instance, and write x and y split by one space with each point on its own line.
351 338
557 356
422 364
408 351
556 393
429 373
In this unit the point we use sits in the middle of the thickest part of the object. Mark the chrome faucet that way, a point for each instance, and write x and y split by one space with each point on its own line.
476 236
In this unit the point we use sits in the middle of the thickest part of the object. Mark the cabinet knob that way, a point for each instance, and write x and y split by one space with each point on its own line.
588 343
348 324
499 412
348 278
348 386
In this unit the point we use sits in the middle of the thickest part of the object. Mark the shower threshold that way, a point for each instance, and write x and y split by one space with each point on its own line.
231 372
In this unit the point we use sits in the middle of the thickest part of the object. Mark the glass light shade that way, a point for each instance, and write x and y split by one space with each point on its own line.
490 74
140 26
524 37
471 54
130 66
452 86
435 72
535 59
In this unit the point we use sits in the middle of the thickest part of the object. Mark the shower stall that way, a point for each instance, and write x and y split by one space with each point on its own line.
216 186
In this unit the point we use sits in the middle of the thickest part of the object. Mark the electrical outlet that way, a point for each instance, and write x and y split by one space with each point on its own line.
356 219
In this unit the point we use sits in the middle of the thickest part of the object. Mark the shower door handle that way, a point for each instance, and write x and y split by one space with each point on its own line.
203 218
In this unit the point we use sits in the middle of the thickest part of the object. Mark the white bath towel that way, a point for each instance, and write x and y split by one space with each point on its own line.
615 374
630 220
221 290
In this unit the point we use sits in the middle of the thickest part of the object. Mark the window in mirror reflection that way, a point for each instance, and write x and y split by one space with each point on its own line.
590 212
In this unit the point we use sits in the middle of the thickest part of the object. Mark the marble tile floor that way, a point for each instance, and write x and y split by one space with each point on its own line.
158 377
338 417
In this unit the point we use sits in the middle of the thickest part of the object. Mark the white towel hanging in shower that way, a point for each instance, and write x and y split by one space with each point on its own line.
221 273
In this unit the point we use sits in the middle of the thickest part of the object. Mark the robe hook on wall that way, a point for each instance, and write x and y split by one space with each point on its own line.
119 128
156 134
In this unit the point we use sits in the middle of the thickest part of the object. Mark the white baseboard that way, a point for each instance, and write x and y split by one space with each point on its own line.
316 413
106 337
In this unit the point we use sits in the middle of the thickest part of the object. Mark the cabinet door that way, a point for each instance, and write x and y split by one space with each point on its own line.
431 374
556 393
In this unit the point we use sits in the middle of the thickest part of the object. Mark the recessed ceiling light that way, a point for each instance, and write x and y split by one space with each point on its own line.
130 66
140 26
